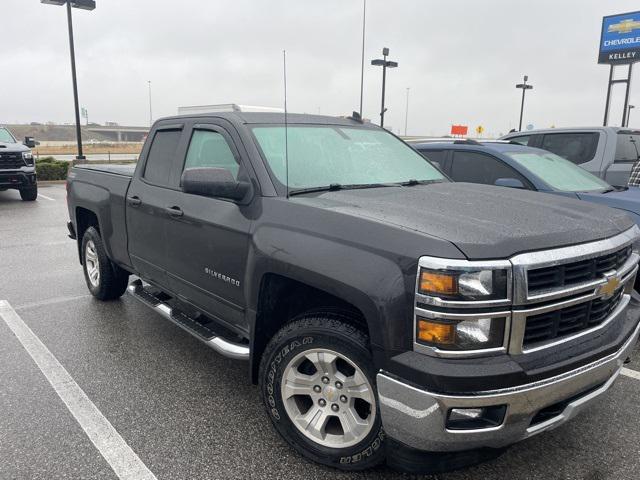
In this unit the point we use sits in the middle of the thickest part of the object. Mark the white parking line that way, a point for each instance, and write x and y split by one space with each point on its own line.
122 459
627 372
47 198
51 301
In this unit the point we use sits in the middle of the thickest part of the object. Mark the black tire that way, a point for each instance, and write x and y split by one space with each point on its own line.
329 331
29 194
112 280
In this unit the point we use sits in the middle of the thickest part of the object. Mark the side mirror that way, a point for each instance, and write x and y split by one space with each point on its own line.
509 182
30 142
213 182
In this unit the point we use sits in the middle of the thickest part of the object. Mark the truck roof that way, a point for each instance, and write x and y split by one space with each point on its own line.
572 129
275 118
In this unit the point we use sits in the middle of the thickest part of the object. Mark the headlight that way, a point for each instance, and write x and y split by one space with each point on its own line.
475 334
464 285
27 157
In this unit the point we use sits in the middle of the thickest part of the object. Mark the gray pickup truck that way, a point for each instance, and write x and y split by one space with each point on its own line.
17 165
385 312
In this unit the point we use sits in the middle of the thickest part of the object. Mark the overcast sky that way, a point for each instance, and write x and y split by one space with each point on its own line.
461 59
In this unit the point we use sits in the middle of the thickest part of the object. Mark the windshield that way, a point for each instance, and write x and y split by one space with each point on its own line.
322 155
5 136
559 173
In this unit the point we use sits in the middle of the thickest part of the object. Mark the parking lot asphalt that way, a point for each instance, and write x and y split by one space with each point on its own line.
187 412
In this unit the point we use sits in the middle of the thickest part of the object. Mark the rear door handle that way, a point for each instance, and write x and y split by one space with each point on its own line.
134 201
174 211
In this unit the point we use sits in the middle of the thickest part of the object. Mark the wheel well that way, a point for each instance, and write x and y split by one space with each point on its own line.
84 219
281 300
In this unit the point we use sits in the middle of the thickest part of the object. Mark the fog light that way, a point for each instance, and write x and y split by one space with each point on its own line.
476 418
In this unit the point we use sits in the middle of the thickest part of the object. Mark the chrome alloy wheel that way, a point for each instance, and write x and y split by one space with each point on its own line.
92 263
328 398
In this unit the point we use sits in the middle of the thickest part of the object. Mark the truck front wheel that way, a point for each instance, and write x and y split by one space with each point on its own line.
105 280
29 194
318 386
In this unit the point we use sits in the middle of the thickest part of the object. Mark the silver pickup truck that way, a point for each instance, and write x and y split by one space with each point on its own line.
607 152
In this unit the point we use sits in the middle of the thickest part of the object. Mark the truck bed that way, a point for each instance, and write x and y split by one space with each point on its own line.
102 189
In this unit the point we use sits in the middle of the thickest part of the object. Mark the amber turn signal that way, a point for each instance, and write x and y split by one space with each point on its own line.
439 283
438 333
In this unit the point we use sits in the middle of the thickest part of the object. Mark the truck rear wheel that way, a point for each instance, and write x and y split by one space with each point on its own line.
29 194
318 386
105 280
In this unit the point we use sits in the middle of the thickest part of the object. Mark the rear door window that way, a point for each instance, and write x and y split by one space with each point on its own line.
477 167
627 148
161 157
577 147
210 149
438 157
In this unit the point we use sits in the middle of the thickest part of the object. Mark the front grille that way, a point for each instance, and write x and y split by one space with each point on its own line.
569 320
574 273
10 160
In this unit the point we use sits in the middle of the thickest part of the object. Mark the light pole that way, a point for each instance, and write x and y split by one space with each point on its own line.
524 88
406 113
150 110
629 108
83 5
364 24
384 63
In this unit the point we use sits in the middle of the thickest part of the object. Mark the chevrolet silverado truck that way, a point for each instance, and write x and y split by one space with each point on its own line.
384 311
17 166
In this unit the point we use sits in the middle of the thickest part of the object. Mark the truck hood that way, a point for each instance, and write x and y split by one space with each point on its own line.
628 200
481 221
12 147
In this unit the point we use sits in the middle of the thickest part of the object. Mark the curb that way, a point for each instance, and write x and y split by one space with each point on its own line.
51 182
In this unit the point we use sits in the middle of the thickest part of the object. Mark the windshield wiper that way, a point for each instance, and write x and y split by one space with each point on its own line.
413 182
338 186
326 188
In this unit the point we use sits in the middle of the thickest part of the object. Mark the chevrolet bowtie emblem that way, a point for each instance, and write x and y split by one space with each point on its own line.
624 26
610 287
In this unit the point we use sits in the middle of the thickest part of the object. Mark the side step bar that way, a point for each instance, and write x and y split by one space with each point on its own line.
219 344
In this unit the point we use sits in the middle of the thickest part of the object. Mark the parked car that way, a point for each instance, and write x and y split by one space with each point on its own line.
384 311
17 166
513 165
607 152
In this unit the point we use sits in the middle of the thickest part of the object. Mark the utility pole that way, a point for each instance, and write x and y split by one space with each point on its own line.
524 88
629 108
384 63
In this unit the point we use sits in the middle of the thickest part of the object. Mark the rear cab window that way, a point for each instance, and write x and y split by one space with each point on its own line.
627 147
522 139
577 147
161 156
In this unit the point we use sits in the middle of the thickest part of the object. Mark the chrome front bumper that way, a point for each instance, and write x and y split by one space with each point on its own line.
417 417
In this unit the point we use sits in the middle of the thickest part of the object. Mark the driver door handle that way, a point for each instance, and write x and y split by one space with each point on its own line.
174 211
134 201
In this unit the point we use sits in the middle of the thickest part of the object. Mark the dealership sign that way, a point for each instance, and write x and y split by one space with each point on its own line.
620 39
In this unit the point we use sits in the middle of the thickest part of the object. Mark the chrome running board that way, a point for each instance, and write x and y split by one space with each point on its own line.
198 330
